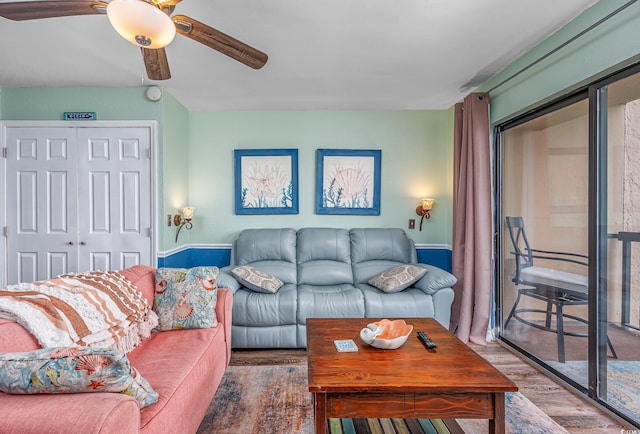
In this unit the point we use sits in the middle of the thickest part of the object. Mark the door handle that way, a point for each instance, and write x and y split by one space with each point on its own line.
82 243
70 243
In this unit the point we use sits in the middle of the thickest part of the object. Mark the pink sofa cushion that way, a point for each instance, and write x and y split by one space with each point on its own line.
143 277
74 412
180 374
14 337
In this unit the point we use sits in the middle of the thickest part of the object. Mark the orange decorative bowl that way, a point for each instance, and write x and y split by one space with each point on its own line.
386 334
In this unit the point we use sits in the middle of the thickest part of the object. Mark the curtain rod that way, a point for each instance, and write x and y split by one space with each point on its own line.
564 44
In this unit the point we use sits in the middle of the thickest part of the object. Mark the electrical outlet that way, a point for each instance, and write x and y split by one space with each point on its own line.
412 223
169 218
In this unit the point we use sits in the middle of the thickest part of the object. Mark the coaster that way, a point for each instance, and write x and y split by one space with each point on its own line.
346 346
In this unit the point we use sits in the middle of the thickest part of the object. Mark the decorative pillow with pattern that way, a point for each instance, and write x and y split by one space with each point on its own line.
397 278
257 280
186 298
73 370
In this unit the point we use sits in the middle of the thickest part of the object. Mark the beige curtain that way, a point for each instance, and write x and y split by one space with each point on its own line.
472 233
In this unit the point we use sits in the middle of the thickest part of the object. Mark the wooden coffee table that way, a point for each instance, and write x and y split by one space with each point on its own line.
449 382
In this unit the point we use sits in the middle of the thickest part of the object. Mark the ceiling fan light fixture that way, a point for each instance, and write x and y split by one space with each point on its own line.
141 23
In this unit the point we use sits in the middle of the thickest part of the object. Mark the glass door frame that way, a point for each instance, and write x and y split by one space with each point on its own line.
596 94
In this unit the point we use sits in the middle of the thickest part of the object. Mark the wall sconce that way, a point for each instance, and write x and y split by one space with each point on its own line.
424 210
185 220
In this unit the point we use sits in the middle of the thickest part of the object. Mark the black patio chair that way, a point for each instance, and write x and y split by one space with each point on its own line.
555 287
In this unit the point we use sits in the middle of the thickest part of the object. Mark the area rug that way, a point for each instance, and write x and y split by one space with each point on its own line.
623 382
275 399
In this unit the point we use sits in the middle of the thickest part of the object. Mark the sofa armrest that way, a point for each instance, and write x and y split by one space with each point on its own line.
224 304
435 279
226 279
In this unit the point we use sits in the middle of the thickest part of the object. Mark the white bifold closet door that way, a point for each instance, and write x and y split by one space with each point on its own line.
77 199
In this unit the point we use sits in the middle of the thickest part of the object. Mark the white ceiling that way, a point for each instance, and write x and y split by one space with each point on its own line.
323 54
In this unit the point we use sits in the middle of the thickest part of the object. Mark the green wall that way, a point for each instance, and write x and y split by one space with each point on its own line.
173 167
416 153
44 103
608 47
119 104
194 157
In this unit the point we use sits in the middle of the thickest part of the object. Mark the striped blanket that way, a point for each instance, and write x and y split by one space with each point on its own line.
96 309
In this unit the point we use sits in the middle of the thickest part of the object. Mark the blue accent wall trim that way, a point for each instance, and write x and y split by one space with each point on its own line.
437 256
220 256
180 259
195 256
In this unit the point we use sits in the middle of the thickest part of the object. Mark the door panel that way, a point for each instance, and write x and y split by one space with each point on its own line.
57 263
78 199
41 202
57 188
115 190
100 261
99 202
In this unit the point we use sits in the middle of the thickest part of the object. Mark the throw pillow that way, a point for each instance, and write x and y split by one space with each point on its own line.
186 298
73 370
397 278
257 280
435 279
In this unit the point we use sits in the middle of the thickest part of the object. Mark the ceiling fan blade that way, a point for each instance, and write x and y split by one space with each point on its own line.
219 41
33 10
155 61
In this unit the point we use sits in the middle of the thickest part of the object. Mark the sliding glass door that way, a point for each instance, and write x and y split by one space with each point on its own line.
618 382
568 219
545 184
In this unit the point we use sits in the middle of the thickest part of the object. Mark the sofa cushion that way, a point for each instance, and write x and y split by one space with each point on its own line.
323 257
185 368
323 243
186 298
101 413
335 301
73 370
410 303
374 244
397 278
257 280
143 277
14 337
256 309
255 245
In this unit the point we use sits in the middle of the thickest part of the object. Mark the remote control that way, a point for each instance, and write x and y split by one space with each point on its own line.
426 340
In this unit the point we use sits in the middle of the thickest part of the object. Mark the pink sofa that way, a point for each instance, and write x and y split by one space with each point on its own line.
185 367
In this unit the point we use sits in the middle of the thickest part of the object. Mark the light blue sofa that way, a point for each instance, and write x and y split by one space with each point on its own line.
325 273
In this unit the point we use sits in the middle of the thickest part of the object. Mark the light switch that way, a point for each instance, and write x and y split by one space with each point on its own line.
412 223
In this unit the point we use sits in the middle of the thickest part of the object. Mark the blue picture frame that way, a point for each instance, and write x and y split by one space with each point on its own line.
266 181
348 181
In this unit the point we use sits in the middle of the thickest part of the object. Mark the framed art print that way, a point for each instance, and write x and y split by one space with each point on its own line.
266 181
348 181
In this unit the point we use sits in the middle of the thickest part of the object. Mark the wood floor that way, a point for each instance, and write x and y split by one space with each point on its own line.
574 413
567 408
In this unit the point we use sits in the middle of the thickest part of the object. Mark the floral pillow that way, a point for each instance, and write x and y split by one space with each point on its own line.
73 370
257 280
186 298
397 278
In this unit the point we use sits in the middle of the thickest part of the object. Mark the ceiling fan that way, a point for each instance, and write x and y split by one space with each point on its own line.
146 23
